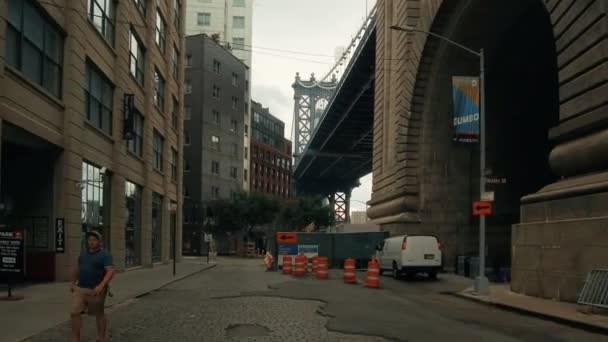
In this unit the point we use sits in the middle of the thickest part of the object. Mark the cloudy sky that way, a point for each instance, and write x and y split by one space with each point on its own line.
292 36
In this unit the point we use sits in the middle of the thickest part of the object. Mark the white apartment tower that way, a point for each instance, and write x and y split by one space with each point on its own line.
232 21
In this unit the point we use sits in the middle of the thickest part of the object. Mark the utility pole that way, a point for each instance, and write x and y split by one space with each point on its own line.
481 284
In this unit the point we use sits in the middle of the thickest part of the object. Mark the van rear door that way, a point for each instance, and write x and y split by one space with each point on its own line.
422 250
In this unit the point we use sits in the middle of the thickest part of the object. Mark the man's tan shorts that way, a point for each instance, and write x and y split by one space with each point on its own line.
83 298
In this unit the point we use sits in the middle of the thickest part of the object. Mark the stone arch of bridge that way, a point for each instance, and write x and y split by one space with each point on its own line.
522 105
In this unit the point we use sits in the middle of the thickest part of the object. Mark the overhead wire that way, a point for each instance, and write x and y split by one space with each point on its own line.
252 47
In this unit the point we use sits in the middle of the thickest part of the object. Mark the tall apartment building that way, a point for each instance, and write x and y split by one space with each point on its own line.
216 97
232 21
271 156
90 115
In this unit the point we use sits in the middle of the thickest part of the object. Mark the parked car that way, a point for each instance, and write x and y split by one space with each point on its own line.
407 255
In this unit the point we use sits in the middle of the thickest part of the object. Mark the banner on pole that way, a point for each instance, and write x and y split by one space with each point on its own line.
465 95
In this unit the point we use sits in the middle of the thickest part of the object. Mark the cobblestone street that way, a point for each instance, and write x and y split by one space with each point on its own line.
237 301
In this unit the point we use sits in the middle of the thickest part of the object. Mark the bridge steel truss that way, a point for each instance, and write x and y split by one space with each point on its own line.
309 97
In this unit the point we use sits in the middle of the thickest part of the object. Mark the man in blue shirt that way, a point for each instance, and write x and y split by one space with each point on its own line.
89 287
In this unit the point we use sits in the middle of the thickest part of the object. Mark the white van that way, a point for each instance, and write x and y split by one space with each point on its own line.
410 254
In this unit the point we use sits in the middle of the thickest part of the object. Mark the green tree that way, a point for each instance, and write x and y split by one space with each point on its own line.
244 212
296 214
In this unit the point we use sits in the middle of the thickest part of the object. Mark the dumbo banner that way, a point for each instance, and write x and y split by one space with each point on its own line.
465 95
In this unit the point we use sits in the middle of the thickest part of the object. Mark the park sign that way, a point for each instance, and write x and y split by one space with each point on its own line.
465 97
12 245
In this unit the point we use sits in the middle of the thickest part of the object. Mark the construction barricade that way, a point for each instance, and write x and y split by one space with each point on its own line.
350 277
300 261
322 268
373 274
287 265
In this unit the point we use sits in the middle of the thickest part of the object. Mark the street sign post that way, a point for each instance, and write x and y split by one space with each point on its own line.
12 252
285 238
59 235
488 196
482 208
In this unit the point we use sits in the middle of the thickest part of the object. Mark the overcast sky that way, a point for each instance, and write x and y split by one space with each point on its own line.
315 29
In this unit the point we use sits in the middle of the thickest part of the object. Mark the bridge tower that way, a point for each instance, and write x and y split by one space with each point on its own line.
310 101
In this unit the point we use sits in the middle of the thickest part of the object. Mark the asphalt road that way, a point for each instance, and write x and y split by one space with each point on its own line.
237 301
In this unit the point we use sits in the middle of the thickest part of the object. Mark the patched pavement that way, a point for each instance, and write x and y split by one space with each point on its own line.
237 301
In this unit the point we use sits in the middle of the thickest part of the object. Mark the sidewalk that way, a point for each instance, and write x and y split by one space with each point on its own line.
561 312
47 305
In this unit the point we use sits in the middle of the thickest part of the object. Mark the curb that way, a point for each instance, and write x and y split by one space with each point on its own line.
167 283
590 327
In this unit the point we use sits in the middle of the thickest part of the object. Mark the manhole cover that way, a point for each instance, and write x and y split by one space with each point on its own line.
246 330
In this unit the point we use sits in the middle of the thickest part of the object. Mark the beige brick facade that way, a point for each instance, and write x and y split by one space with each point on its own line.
61 120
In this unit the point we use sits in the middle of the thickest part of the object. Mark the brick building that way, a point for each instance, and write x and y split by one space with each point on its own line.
90 110
271 157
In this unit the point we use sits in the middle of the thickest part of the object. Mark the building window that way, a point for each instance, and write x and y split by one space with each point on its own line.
159 90
238 22
238 43
245 175
95 192
216 92
137 57
135 145
215 167
216 117
102 15
215 142
175 114
256 117
215 192
175 61
233 172
161 31
186 137
235 150
238 3
246 130
246 153
141 6
177 6
187 87
186 165
234 126
157 149
235 102
157 224
173 164
203 19
188 61
235 79
217 66
188 113
34 46
133 226
99 93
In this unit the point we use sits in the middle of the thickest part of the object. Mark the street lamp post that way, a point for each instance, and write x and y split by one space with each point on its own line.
480 285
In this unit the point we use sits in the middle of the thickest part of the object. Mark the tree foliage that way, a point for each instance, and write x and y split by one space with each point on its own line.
250 210
298 213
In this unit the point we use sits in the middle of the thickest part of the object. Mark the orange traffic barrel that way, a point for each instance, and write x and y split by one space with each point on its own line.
322 268
301 261
373 274
315 264
287 266
350 277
